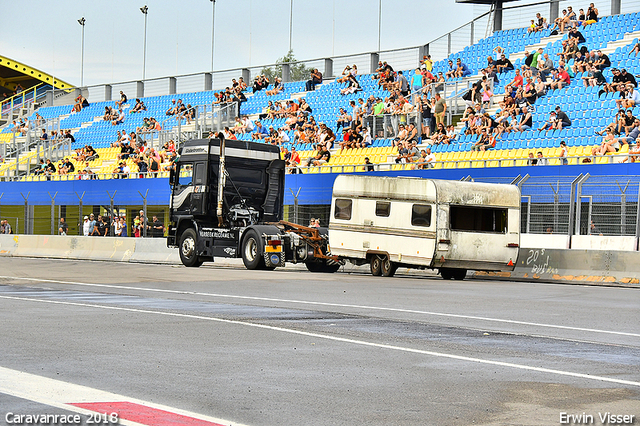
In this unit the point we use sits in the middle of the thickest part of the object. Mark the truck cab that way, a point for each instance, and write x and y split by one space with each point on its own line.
210 212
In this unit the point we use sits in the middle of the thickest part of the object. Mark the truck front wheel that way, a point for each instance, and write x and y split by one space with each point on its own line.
188 249
252 251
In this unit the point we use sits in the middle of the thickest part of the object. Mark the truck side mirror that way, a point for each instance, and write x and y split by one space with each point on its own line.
172 176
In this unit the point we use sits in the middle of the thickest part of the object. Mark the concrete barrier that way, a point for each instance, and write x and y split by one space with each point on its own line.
609 267
8 244
599 242
154 250
575 266
545 241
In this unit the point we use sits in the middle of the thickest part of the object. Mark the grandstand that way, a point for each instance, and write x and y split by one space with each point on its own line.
589 109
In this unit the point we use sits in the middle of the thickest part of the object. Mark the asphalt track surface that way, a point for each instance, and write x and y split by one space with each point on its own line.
168 345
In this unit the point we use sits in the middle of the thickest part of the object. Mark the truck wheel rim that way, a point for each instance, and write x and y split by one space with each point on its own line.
188 247
251 249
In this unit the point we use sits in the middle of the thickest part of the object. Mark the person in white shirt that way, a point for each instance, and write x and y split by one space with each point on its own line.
86 226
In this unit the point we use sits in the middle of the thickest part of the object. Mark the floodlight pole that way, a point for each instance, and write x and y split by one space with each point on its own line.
213 22
290 24
144 10
82 22
379 22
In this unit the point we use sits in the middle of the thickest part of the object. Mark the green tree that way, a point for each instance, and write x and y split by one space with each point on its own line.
297 71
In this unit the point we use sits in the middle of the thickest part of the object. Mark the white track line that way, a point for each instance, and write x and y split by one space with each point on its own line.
59 394
340 339
335 305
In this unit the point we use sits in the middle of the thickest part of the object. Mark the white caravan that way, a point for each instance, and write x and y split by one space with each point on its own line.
451 226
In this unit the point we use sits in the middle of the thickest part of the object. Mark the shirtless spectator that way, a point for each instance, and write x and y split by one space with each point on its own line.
122 101
278 86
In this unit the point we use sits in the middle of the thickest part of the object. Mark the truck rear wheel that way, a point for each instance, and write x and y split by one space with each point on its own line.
459 274
446 273
376 266
387 267
252 251
188 249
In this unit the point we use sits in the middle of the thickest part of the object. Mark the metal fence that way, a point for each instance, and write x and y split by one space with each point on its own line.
582 205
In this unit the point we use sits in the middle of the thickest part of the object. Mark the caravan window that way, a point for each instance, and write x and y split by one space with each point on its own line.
383 208
421 215
478 219
343 209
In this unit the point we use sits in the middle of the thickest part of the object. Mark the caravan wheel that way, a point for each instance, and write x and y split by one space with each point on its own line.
376 266
388 268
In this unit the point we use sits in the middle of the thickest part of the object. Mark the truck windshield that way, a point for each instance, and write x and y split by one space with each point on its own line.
185 175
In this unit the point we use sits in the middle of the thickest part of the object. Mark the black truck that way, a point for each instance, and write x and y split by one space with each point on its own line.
227 201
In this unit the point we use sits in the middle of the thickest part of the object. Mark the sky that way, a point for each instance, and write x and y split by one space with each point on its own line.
247 33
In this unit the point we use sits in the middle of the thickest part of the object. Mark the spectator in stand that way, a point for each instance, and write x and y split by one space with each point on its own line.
440 109
634 153
461 69
594 77
402 84
592 15
451 71
541 160
562 79
172 108
632 132
87 226
563 119
322 158
545 66
541 23
552 123
138 107
316 78
278 86
260 82
628 77
352 86
580 63
427 160
629 97
574 33
560 22
635 50
122 101
417 81
260 132
609 144
119 119
345 73
483 143
425 108
81 102
526 120
368 165
503 64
